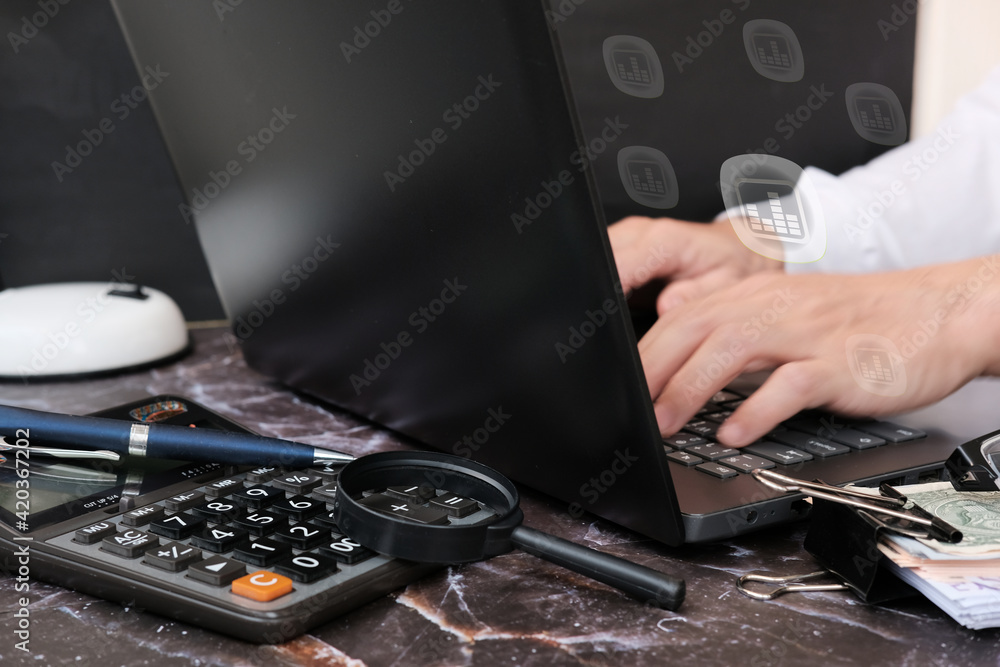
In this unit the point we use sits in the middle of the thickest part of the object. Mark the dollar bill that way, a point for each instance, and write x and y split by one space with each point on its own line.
977 515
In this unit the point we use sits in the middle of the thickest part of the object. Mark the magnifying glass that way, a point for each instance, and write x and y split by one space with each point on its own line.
438 508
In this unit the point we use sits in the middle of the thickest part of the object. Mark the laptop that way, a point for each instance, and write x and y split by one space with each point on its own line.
395 205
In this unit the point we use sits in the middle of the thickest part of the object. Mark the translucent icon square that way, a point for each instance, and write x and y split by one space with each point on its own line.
876 365
876 113
772 209
633 66
773 50
648 177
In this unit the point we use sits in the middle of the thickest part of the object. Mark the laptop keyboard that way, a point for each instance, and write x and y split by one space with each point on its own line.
806 437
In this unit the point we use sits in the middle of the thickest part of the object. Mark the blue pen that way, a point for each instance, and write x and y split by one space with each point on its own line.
166 441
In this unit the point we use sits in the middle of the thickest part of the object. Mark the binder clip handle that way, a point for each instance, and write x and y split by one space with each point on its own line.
790 584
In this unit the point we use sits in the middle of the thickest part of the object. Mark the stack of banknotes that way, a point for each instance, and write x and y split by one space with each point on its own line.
963 579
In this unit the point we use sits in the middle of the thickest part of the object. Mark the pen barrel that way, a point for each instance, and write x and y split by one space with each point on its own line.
88 432
652 587
202 444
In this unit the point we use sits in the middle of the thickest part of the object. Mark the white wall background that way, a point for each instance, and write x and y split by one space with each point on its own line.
958 43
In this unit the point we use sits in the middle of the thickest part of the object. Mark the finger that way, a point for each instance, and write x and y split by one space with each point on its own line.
685 291
790 389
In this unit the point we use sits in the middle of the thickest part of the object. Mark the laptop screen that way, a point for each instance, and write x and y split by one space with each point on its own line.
394 208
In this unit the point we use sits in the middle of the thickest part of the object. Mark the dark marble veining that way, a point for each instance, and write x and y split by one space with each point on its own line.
511 610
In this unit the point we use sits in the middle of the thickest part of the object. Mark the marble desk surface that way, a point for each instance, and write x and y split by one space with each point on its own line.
511 610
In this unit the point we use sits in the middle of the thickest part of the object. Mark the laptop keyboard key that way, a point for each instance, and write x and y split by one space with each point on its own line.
747 462
889 431
702 427
712 451
717 470
782 454
857 439
685 459
684 440
818 447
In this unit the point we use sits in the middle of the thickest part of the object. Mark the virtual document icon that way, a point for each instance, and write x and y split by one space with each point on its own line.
876 113
648 176
773 50
633 66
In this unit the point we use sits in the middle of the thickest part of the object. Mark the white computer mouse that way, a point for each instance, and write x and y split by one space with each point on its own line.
72 329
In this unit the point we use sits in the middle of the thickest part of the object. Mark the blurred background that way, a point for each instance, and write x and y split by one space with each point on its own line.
113 213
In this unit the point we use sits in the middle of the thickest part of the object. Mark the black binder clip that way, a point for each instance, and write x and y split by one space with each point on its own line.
844 531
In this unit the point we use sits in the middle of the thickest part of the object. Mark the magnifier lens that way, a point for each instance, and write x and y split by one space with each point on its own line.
438 508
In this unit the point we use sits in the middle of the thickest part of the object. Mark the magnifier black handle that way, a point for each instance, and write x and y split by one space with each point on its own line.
652 587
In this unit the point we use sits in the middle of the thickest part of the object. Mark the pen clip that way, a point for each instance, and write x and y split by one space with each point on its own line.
789 584
56 452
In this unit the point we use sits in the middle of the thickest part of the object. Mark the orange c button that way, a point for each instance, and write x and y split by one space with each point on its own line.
262 586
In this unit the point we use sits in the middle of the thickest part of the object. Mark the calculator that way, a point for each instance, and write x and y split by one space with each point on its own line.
253 553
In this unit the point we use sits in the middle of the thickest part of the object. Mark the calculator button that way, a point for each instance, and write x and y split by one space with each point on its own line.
328 472
129 543
94 532
262 474
719 416
222 488
685 459
299 508
142 516
303 536
717 470
346 550
419 493
176 526
219 539
747 462
326 520
183 501
262 586
216 571
218 510
455 505
256 497
405 510
307 567
778 453
326 493
172 556
262 553
299 483
261 523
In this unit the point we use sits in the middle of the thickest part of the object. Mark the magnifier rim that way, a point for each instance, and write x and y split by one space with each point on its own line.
399 538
